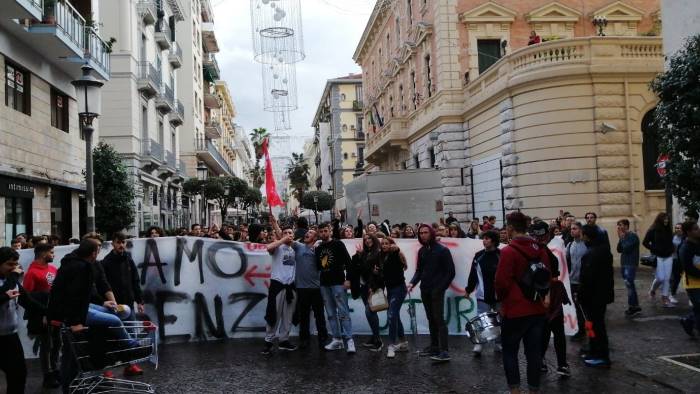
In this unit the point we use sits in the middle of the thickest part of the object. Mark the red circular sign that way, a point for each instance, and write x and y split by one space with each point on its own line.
661 163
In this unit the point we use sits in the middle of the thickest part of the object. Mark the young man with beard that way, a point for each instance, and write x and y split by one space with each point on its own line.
482 277
628 247
435 271
523 317
123 277
307 280
282 298
333 260
38 281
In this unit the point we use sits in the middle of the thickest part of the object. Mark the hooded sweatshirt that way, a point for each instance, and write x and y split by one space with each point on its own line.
332 260
435 269
510 269
71 290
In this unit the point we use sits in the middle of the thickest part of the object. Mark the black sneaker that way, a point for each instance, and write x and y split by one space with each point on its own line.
633 311
564 371
286 346
441 357
687 327
267 350
428 352
377 346
369 344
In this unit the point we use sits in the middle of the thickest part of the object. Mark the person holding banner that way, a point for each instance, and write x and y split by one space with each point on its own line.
363 282
393 264
332 259
435 270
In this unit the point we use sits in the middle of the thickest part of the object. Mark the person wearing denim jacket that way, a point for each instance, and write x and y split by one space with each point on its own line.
628 247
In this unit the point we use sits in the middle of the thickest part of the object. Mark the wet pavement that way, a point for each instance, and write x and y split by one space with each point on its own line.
236 366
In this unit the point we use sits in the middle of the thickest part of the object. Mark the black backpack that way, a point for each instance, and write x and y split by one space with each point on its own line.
534 283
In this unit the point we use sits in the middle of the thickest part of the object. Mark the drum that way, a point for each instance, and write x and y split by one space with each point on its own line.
484 327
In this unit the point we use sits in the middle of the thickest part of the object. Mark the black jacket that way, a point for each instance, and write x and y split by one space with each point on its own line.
486 263
100 284
123 277
332 259
659 242
71 291
435 269
596 281
361 269
392 269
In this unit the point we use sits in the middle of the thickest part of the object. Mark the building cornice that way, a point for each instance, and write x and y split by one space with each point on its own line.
380 10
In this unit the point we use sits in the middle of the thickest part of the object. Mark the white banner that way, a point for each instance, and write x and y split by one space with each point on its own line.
201 288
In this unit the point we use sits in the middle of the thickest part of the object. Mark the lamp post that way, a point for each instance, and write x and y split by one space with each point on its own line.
316 210
89 99
600 22
202 174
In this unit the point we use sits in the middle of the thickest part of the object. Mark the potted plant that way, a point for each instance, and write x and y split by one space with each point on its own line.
109 43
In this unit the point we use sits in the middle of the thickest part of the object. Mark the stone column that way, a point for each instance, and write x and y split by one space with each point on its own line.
446 40
452 158
509 159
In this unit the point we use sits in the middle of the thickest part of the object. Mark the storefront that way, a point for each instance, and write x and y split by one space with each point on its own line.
18 196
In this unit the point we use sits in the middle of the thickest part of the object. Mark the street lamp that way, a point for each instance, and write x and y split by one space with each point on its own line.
600 21
89 99
202 172
316 210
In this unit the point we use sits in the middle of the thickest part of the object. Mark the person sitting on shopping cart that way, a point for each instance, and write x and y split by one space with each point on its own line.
481 279
122 275
69 302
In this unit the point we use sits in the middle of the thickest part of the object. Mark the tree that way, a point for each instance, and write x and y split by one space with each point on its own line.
316 201
257 176
226 190
678 121
256 138
251 198
114 191
298 174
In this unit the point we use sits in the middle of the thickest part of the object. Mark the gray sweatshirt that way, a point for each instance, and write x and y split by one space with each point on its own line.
9 320
575 253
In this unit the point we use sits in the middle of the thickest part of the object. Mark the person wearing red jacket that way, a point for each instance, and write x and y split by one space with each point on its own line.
523 319
37 282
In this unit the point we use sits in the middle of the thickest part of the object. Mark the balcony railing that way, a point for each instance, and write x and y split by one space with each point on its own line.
170 159
149 78
96 49
180 108
206 145
360 135
169 94
162 34
182 168
70 21
177 117
152 149
357 105
211 66
175 55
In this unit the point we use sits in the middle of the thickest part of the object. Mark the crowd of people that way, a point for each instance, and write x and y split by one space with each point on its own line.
515 275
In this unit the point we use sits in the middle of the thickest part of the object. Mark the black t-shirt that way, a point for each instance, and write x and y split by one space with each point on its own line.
332 259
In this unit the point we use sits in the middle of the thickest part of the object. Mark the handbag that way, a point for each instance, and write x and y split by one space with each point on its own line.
648 260
377 301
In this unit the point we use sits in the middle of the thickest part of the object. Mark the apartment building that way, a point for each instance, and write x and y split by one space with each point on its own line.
339 124
454 86
42 152
142 109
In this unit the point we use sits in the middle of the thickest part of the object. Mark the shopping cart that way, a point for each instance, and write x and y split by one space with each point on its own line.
97 349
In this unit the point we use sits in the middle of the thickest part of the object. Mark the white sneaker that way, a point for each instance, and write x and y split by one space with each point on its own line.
390 353
336 344
477 350
401 347
350 346
672 300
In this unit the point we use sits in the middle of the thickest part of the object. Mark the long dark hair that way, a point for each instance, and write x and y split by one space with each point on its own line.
659 225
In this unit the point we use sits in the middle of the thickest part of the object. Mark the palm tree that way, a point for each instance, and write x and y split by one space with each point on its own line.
256 138
298 173
257 176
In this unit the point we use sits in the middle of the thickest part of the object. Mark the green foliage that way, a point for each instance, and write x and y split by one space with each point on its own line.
228 191
298 173
252 197
256 138
323 202
678 120
114 191
257 175
192 187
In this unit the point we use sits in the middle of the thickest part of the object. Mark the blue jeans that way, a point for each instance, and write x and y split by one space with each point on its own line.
628 274
335 299
396 296
100 316
372 317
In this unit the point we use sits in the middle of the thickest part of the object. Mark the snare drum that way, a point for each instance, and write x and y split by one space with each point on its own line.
484 327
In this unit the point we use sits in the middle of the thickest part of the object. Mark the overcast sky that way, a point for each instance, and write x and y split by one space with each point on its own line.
332 30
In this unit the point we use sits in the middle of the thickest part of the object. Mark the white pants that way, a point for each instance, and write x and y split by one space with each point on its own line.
664 267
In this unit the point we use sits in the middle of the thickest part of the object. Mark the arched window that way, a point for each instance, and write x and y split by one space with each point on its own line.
650 153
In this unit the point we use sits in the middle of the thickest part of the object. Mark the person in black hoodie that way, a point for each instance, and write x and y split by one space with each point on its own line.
481 278
435 270
659 240
121 273
12 294
363 282
391 269
596 291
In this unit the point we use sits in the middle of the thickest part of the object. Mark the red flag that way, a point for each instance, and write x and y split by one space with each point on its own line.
273 199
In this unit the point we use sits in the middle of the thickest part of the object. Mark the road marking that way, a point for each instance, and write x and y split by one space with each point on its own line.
657 318
670 359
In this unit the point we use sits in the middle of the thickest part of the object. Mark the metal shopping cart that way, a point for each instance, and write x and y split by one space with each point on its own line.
97 349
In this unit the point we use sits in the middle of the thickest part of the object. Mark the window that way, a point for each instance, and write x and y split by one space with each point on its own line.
361 154
409 11
428 77
144 123
398 31
59 110
489 51
650 153
413 91
431 153
416 161
172 141
161 133
18 217
358 92
391 106
402 107
17 94
345 156
342 97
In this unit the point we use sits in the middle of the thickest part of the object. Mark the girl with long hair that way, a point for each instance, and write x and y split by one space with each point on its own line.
659 240
365 263
393 265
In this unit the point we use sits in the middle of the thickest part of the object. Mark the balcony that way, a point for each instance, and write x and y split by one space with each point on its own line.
209 43
357 105
23 9
149 80
319 183
388 139
181 169
97 52
211 68
213 129
177 117
317 160
162 34
151 154
147 11
175 55
209 153
170 166
360 135
165 101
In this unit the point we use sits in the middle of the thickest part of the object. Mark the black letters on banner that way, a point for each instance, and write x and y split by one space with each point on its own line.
202 313
195 252
214 265
254 299
151 249
161 298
